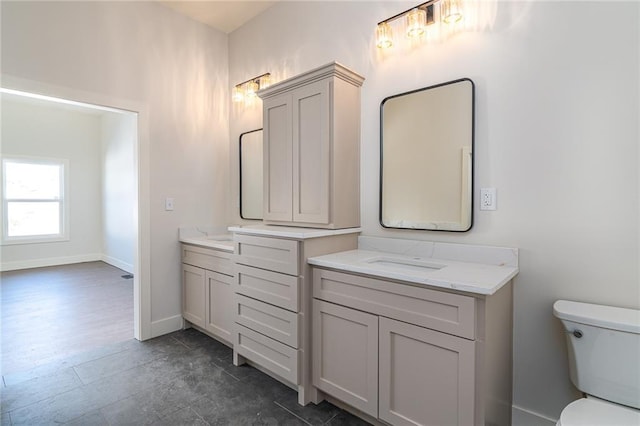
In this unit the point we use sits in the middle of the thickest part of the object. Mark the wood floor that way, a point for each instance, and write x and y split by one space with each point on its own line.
52 313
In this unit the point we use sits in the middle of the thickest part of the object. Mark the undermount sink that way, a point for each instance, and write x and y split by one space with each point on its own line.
400 264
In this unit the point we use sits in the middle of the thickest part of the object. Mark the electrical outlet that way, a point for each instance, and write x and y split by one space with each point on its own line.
168 204
488 199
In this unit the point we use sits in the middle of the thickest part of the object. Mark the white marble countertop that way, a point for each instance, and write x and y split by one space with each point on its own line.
469 273
206 236
289 231
222 242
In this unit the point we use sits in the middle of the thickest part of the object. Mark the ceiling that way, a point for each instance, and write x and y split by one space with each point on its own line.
225 16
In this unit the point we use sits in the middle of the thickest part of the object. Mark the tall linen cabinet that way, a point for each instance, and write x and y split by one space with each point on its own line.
312 149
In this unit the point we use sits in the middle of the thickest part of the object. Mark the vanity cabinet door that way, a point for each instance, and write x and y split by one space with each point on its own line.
345 355
220 305
278 160
311 153
426 377
193 294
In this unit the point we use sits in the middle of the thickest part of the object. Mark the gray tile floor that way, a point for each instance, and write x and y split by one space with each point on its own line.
184 378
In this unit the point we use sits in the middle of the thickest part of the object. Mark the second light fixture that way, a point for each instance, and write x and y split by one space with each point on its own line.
417 19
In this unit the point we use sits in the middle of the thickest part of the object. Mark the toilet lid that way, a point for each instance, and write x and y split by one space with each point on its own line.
587 412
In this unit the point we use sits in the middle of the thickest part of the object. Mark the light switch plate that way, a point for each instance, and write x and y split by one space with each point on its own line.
168 204
488 199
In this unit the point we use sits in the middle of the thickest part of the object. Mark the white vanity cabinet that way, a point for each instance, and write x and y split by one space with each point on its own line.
412 355
312 149
207 295
272 301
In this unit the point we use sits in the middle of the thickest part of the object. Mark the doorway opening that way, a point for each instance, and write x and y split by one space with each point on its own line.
104 204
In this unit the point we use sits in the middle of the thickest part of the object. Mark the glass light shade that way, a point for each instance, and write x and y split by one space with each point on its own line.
237 95
451 11
252 88
384 36
416 22
265 81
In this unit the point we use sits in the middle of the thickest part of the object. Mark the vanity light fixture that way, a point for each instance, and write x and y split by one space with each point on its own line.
418 18
246 91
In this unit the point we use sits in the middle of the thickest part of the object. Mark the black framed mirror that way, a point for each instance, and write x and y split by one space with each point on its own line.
426 158
251 174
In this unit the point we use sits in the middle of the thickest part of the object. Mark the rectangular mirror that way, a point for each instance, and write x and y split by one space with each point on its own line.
251 174
426 158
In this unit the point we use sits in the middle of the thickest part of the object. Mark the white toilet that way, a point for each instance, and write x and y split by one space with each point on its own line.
604 363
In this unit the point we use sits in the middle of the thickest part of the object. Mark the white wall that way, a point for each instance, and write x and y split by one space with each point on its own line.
556 133
119 133
38 129
173 67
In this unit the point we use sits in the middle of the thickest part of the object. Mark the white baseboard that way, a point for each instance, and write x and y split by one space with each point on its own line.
166 326
127 267
51 261
523 417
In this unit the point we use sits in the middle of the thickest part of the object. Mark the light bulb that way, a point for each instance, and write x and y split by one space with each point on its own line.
416 22
384 36
237 95
451 11
265 81
252 88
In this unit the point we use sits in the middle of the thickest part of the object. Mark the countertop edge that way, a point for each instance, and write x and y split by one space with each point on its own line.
411 280
298 233
201 242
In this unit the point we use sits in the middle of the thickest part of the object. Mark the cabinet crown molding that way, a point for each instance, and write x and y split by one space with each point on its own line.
332 69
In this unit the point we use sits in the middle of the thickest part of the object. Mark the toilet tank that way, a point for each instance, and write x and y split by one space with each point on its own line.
604 350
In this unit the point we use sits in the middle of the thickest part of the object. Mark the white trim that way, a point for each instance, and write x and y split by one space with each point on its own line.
523 417
142 259
127 267
51 261
166 325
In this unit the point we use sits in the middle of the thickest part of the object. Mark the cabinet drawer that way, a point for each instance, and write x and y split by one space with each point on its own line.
269 320
271 287
268 253
270 354
213 260
446 312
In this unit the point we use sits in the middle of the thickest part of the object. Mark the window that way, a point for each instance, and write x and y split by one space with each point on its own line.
33 200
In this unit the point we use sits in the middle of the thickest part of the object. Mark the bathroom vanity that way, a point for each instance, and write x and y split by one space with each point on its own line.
207 275
272 298
414 332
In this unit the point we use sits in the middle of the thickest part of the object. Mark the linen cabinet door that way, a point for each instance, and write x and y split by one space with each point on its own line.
345 355
277 152
426 377
311 153
220 305
193 292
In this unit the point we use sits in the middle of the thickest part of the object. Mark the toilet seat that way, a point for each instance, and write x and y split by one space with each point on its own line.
595 412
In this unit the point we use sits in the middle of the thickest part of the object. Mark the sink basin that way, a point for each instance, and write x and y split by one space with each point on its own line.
399 264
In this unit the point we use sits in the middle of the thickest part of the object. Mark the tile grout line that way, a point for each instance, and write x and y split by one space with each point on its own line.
329 421
182 343
291 412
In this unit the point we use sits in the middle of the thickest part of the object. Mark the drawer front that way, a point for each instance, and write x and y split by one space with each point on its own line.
271 287
213 260
272 254
270 354
269 320
450 313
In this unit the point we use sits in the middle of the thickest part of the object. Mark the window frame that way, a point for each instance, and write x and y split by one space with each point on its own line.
63 200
